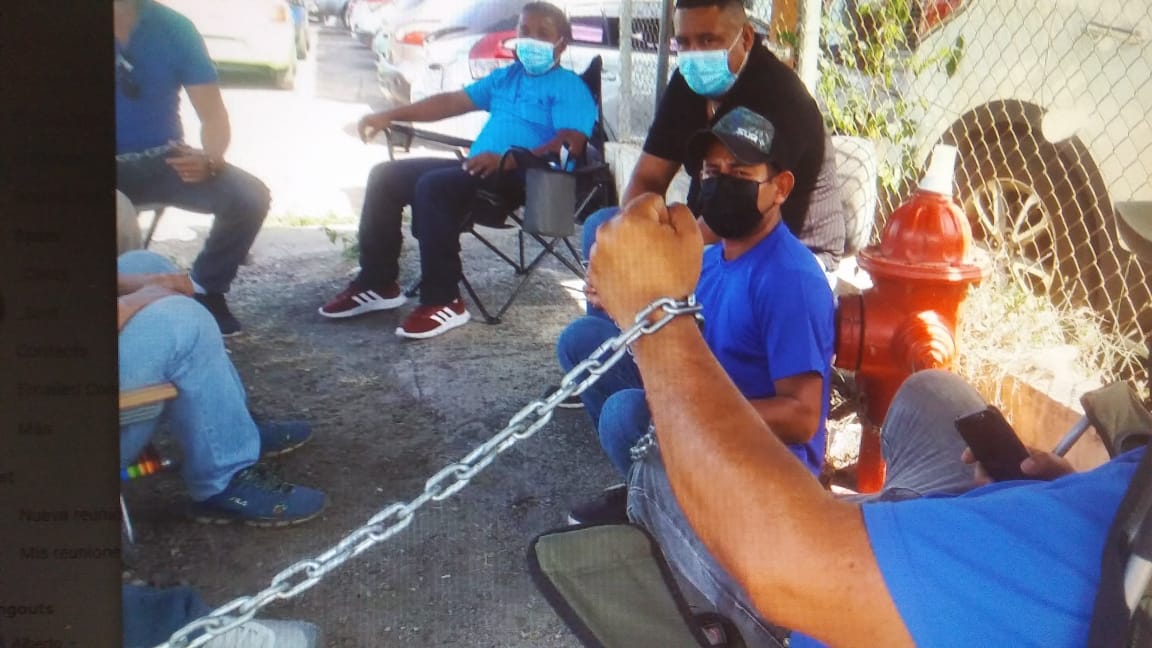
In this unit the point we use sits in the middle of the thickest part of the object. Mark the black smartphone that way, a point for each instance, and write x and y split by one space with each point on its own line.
994 443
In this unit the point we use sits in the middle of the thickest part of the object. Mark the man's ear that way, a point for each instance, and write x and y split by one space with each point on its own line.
560 47
784 182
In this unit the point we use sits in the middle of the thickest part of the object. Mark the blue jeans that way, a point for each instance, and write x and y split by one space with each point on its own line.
151 615
588 237
238 200
176 340
616 401
919 444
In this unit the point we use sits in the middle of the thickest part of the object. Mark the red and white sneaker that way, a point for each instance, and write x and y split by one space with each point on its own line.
356 300
430 321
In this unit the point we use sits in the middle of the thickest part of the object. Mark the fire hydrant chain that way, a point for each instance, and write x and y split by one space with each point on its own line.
396 517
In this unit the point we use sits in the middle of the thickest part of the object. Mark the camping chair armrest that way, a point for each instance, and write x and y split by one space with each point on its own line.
1118 416
404 134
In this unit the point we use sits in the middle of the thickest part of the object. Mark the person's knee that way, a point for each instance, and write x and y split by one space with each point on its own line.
931 382
143 262
580 338
623 420
251 195
598 218
189 323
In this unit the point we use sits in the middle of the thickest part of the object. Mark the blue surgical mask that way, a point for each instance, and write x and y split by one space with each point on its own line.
707 71
536 56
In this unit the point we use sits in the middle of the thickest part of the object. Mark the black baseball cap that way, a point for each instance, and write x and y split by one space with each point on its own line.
751 137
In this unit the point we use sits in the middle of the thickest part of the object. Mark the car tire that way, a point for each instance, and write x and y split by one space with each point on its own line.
1022 201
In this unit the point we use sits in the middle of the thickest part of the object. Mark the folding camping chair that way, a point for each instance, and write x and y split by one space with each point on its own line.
613 588
545 209
136 405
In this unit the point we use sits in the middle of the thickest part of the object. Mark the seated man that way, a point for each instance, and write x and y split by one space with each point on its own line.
167 337
723 65
158 53
768 311
534 104
1008 564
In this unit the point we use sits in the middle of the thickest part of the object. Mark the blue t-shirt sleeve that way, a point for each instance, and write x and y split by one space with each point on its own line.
193 65
1008 565
797 325
575 108
480 91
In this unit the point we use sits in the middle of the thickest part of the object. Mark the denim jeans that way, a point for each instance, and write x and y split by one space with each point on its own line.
176 340
150 615
919 444
616 401
238 200
588 237
440 193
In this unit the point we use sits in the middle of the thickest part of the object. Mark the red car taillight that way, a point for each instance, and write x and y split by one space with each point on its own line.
936 12
415 37
491 53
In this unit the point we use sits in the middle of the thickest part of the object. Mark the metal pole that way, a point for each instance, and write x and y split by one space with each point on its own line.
806 58
626 70
663 51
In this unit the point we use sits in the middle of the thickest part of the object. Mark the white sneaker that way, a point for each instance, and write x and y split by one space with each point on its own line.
266 633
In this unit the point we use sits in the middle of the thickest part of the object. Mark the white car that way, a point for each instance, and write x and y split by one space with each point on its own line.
246 34
1049 104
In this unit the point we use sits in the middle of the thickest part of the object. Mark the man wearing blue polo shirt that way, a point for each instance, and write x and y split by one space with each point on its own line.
767 307
534 104
158 52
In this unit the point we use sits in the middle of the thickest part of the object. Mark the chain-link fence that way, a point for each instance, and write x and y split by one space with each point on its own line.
1050 105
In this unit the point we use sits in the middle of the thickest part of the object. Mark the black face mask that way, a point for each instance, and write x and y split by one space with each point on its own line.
728 205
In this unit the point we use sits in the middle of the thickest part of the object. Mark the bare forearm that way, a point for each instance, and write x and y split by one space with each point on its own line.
639 186
176 281
215 136
802 556
792 420
434 108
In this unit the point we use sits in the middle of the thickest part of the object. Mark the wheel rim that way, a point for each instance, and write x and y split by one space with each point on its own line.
1010 219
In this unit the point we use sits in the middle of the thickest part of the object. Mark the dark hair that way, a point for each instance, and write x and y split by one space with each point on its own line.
722 4
554 13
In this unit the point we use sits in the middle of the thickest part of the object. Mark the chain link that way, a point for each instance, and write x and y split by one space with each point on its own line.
396 517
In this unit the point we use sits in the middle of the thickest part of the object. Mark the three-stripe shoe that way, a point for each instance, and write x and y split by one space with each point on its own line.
357 300
430 321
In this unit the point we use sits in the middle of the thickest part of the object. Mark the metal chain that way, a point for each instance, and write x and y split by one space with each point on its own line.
391 520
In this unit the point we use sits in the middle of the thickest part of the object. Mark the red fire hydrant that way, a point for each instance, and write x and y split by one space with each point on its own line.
907 321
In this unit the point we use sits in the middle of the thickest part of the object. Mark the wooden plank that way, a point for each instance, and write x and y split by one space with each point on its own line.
147 395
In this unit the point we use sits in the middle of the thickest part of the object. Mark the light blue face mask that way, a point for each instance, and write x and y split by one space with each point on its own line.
706 71
536 56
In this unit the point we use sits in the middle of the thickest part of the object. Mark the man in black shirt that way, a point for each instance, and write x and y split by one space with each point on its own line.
710 33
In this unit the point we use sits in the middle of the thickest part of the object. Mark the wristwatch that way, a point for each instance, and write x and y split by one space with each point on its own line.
212 166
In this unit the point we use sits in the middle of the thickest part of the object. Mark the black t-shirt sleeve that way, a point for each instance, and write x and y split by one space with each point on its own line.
679 115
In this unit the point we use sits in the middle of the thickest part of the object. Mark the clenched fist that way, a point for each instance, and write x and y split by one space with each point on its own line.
648 251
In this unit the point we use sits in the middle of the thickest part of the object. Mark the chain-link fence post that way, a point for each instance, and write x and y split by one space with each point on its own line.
663 51
626 128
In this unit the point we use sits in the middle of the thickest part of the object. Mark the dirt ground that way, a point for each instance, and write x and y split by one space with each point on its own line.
388 414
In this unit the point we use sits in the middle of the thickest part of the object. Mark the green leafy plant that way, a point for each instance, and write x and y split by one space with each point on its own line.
869 53
349 243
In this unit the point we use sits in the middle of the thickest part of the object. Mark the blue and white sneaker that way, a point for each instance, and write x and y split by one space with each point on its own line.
258 497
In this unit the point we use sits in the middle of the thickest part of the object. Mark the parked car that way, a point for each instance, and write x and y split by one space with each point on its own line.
1048 103
246 34
325 9
364 18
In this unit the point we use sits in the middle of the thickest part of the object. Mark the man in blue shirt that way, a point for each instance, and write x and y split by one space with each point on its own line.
1008 564
767 307
534 104
158 53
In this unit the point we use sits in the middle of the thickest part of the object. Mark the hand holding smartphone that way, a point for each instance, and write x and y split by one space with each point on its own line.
994 443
